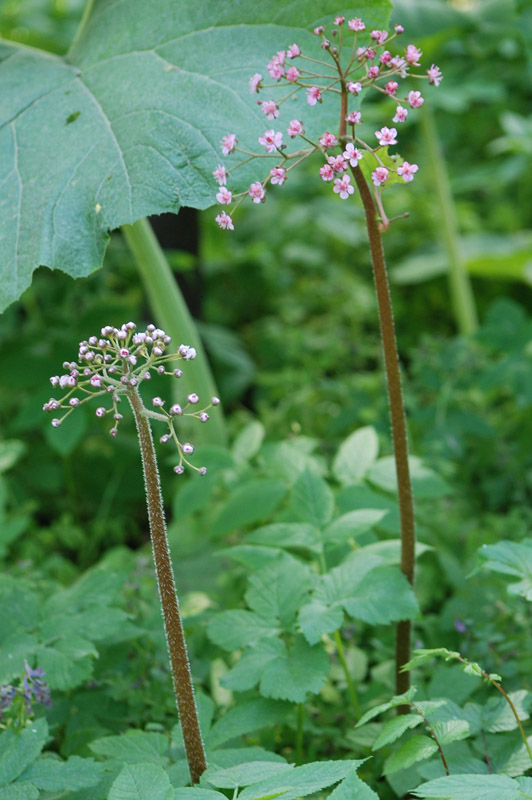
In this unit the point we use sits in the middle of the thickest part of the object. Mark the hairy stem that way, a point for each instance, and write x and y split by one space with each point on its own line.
175 637
398 420
171 312
434 737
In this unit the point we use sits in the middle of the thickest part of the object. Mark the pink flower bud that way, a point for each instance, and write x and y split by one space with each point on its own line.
193 398
56 422
158 401
100 411
188 448
96 381
202 470
176 409
178 373
179 469
164 438
215 401
204 416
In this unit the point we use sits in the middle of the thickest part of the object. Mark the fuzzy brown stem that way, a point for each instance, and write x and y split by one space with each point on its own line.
175 637
398 421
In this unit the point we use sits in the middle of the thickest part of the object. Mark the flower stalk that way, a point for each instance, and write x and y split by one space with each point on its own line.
175 637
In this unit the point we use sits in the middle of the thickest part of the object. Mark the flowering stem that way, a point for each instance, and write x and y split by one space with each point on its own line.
172 313
398 420
177 648
462 297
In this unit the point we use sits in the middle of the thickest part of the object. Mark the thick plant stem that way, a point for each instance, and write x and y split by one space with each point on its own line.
175 637
171 312
462 298
398 420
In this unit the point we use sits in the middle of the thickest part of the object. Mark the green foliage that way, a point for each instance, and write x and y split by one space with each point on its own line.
511 558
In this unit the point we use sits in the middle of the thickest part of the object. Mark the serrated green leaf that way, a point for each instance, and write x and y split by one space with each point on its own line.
135 747
399 700
54 775
197 793
417 748
14 650
317 618
295 673
301 781
312 499
353 787
248 671
18 750
278 590
395 728
497 715
424 656
252 556
425 482
253 502
470 787
452 730
355 455
142 782
382 597
288 535
245 718
353 524
233 630
244 774
511 558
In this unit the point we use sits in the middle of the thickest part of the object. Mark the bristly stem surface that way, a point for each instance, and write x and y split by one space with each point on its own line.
397 413
175 637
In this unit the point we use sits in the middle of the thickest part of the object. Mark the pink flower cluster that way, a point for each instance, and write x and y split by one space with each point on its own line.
115 364
371 65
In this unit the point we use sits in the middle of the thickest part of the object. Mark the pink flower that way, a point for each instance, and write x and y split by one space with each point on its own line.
270 108
399 63
292 74
354 117
342 186
354 88
356 24
339 20
328 140
352 154
385 57
379 175
318 30
386 136
220 174
225 222
407 171
96 381
373 72
435 75
413 54
391 88
293 51
337 163
295 128
415 99
228 143
271 140
278 175
400 114
313 96
399 29
254 82
379 36
224 196
100 411
327 172
256 192
276 65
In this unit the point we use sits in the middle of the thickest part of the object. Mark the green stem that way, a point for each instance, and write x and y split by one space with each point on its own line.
350 685
299 733
462 298
398 421
175 637
172 314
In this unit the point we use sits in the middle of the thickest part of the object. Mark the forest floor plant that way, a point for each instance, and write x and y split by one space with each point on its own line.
358 63
114 366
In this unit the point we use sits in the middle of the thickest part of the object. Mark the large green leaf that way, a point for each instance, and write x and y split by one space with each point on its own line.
129 123
473 787
511 558
18 750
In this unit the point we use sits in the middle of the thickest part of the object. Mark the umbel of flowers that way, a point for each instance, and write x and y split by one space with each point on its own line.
353 68
118 361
